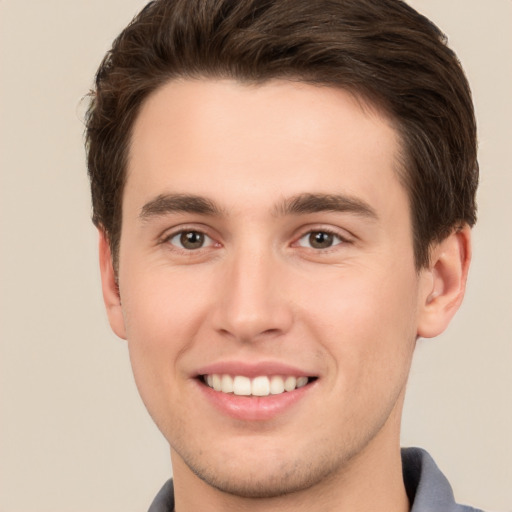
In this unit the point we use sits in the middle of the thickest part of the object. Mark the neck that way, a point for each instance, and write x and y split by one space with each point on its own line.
370 481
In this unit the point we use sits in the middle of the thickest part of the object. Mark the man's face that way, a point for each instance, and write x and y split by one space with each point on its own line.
265 234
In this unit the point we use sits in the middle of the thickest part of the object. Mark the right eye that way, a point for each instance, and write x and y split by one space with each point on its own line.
320 239
190 240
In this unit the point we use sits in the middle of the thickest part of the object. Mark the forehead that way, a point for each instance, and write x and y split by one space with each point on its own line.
277 137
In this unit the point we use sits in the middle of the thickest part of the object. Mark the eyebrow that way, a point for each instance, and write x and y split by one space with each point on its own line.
315 203
297 205
178 203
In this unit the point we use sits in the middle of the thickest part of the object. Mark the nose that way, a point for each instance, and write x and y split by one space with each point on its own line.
254 302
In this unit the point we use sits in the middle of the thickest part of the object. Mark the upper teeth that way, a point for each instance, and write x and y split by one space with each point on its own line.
259 386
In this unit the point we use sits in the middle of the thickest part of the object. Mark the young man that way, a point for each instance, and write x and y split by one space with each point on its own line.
284 191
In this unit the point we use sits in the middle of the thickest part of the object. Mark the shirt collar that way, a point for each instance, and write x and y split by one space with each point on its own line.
427 488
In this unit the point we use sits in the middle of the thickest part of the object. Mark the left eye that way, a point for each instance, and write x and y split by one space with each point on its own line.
190 240
319 240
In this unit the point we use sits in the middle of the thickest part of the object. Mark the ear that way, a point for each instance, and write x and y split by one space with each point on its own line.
444 282
109 287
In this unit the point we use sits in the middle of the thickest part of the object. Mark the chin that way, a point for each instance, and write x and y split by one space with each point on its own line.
261 473
251 483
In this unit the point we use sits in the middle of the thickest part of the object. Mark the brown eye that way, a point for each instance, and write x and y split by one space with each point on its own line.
190 240
319 240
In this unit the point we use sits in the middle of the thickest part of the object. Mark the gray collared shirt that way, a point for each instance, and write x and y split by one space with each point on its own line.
427 488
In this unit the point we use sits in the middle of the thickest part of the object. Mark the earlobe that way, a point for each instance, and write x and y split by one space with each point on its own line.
444 282
109 287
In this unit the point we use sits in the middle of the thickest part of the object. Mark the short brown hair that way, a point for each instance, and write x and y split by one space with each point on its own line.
381 50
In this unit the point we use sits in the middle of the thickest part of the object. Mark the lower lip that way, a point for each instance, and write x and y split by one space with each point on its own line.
254 408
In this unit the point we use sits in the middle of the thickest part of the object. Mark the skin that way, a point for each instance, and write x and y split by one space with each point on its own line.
257 290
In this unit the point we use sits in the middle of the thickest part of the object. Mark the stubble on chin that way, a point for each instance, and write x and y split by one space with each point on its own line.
273 476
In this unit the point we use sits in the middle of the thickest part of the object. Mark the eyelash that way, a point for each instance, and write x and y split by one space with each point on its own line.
324 231
342 240
168 239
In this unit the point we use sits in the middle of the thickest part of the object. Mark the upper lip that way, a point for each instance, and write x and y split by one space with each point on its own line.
252 370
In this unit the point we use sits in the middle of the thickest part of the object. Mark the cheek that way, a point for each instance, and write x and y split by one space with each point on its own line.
162 316
160 306
355 299
365 320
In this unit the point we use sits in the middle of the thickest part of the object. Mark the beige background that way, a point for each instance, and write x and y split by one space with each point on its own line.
73 433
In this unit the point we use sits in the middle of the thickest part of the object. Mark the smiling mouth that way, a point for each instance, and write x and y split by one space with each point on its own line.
263 385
